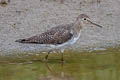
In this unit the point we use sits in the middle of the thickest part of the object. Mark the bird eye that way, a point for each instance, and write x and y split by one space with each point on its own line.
84 18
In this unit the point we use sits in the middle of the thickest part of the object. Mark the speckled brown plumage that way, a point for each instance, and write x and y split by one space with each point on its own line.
56 35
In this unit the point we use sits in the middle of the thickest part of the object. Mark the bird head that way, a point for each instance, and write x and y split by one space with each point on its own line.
84 19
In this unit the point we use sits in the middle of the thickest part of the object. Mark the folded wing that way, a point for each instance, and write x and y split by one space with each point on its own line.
53 36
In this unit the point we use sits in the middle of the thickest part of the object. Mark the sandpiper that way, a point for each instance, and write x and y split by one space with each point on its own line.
61 35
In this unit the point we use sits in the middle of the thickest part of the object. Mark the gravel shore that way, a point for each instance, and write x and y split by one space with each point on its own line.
25 18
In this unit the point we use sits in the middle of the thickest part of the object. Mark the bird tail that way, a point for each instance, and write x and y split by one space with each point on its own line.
21 40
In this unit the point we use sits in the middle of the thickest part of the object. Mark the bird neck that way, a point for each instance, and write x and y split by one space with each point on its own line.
77 27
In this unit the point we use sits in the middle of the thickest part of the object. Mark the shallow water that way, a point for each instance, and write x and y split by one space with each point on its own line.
87 65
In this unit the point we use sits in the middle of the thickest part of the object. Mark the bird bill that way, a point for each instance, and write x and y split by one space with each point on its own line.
94 23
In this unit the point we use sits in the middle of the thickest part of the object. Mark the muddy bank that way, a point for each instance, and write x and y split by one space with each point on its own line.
25 18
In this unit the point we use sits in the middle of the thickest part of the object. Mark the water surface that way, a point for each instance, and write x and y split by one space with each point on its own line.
93 65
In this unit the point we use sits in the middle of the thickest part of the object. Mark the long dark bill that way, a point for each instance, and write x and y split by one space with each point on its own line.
94 23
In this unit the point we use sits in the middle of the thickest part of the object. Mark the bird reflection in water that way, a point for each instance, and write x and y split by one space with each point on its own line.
56 75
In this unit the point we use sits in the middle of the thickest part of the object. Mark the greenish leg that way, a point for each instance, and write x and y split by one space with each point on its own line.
46 57
62 59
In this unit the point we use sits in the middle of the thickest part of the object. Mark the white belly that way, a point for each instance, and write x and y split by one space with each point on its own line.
70 42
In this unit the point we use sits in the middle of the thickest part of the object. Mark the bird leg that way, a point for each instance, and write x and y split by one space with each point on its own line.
46 57
62 59
62 56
